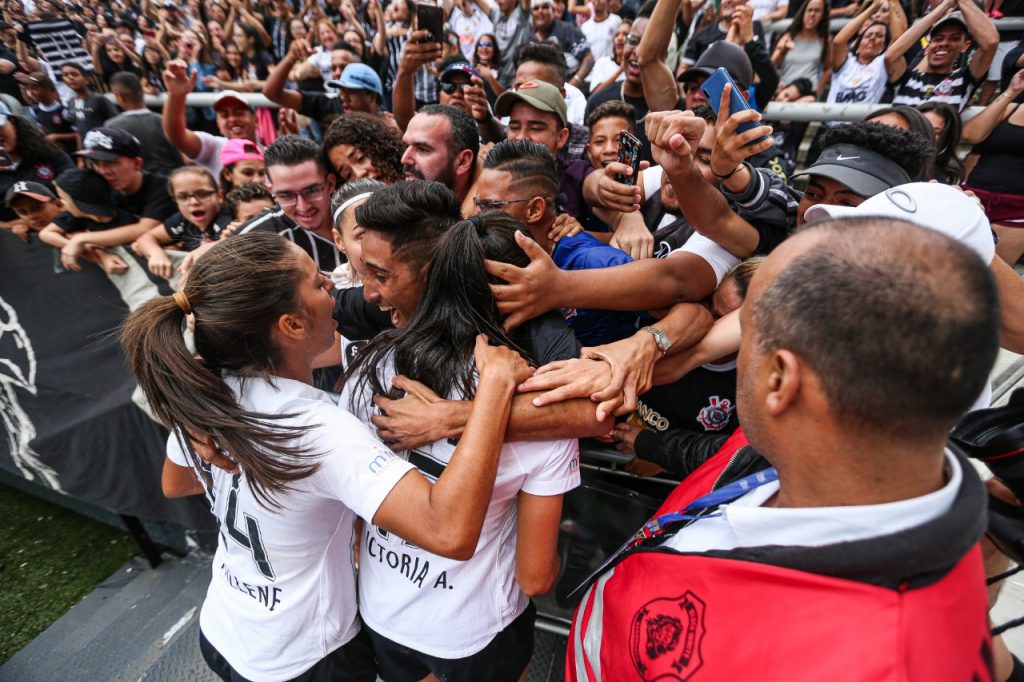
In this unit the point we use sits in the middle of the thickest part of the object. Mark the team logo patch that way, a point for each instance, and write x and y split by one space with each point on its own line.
666 637
97 139
715 415
44 171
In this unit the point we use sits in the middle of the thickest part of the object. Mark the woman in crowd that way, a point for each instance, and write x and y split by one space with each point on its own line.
231 73
858 69
948 128
256 60
109 57
803 50
909 118
34 158
997 134
154 61
282 600
484 601
360 145
327 36
487 61
608 70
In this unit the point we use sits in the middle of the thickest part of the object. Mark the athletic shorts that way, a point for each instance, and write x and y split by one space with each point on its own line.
1000 207
503 660
351 662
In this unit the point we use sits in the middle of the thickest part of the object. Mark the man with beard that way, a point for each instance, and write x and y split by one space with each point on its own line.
441 145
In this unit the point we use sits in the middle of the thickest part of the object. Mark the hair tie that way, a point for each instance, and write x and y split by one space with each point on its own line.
182 300
478 223
348 202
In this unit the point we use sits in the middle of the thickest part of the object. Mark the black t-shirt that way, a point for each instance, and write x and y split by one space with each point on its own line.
55 120
190 235
90 112
69 223
8 83
547 337
40 171
151 201
319 107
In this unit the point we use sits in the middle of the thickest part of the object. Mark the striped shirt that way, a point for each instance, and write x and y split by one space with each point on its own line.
323 251
955 88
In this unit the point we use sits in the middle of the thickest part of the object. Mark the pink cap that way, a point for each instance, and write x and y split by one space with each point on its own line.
240 150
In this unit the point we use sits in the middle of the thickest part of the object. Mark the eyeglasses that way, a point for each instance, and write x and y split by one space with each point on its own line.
199 195
488 204
312 193
449 87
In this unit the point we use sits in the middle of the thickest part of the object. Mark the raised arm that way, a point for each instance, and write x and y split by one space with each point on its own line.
985 36
179 82
660 89
981 126
841 41
415 54
273 87
895 61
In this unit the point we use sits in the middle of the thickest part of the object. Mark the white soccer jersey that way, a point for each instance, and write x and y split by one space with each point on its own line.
283 591
447 608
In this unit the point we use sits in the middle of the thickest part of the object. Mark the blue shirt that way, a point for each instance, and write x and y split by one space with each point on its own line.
594 327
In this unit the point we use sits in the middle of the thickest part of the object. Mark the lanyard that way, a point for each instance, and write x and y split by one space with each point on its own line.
659 525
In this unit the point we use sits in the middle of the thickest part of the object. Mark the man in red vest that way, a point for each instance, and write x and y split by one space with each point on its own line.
841 541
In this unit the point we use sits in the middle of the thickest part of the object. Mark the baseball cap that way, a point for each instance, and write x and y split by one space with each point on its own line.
230 97
541 3
88 190
864 171
240 150
537 94
951 18
457 68
358 77
939 207
5 111
108 144
726 55
33 190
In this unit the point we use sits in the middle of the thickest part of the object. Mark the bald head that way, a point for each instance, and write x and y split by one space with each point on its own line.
898 323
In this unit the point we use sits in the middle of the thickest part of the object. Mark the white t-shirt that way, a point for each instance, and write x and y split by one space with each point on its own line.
857 83
604 68
283 590
469 29
746 523
448 608
600 34
575 104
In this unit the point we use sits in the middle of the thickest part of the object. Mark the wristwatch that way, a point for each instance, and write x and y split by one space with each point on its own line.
660 338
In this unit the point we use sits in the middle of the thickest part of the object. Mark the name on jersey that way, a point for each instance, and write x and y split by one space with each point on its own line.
415 568
267 596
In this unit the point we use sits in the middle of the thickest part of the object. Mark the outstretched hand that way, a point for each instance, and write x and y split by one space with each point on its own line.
732 148
676 134
178 80
529 292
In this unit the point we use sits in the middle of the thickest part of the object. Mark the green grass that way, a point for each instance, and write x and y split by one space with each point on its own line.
51 558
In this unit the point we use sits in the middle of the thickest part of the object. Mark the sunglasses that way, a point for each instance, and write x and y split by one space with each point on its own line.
485 43
449 87
632 40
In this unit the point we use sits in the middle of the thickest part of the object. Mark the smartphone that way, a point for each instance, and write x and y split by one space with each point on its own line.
712 89
629 154
430 18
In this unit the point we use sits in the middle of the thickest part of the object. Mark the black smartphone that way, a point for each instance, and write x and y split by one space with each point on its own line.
629 154
431 18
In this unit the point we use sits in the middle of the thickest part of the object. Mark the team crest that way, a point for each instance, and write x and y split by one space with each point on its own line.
44 171
666 637
716 414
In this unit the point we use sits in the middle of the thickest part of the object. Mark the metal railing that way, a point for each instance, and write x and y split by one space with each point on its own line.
1006 23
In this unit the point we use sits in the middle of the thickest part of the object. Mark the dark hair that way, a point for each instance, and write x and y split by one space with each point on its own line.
647 9
824 37
496 63
917 123
237 291
462 134
613 108
252 34
32 145
930 298
436 346
291 150
948 166
194 170
910 151
128 85
412 216
345 47
803 86
77 67
350 189
244 193
855 45
529 163
373 137
705 112
544 53
743 272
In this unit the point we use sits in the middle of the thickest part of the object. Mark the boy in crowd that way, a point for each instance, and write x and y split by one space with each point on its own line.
49 112
88 109
35 204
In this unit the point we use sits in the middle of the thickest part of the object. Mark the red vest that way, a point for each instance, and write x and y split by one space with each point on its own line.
663 616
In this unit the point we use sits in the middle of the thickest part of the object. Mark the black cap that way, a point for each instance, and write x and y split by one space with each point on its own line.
865 172
726 55
108 144
88 190
34 190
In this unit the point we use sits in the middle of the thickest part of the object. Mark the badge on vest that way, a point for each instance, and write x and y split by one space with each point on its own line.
666 636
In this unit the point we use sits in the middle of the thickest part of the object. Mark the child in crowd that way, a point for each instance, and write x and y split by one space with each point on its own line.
200 219
244 202
86 200
34 203
87 110
49 112
606 122
242 163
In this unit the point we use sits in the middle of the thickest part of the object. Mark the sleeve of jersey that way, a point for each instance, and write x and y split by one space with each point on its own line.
556 468
357 469
720 260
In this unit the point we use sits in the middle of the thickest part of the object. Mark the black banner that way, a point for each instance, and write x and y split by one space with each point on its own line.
59 43
68 419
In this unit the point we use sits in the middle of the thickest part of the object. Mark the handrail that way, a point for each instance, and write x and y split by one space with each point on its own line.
834 25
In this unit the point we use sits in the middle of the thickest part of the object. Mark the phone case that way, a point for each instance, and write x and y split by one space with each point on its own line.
712 89
431 18
629 154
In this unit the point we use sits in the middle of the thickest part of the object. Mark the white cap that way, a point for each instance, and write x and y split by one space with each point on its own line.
942 208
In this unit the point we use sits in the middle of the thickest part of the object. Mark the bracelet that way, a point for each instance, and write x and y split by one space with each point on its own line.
731 173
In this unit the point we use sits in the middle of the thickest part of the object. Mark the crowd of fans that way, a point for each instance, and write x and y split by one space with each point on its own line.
466 178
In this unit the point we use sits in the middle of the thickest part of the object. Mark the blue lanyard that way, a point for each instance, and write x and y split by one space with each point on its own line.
734 490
